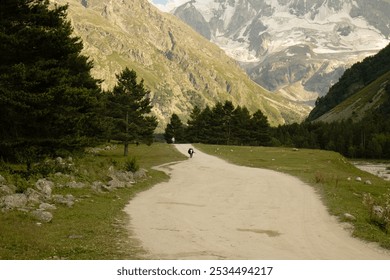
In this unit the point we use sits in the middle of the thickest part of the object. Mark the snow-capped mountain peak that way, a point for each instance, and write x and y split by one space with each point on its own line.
295 45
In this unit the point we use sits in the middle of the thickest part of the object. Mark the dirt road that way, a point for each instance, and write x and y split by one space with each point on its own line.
211 209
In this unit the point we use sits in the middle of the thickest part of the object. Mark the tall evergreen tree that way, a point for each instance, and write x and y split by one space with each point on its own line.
228 111
194 128
260 129
217 122
175 130
241 129
48 98
129 108
205 129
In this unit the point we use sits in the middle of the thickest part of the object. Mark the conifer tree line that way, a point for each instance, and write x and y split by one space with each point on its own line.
367 138
49 102
222 124
225 124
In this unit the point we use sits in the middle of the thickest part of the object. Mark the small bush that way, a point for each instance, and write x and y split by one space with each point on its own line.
20 183
131 164
51 166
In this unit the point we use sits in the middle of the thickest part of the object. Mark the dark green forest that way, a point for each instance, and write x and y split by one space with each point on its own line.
222 124
225 124
355 78
50 104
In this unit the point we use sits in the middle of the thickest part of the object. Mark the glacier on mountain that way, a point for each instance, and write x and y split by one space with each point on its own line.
298 47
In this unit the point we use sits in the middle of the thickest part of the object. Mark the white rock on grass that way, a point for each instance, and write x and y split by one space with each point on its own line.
9 202
42 215
44 186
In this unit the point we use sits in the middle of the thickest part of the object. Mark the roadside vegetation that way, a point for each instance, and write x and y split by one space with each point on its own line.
95 226
352 195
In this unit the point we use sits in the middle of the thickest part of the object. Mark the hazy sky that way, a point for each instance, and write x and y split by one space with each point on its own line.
167 5
160 1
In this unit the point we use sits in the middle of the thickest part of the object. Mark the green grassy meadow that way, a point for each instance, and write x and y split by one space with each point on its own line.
94 228
328 173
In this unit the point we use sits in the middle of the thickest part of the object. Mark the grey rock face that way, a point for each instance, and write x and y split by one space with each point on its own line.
261 34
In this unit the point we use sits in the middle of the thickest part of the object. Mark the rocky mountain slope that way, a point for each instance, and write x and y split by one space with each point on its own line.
300 47
362 103
361 90
180 67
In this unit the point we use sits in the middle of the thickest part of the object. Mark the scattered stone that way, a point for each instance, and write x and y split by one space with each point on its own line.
97 186
368 182
59 160
140 174
42 215
123 176
10 202
378 211
67 200
34 197
100 187
358 179
117 184
295 149
75 185
349 217
349 179
47 206
45 187
5 190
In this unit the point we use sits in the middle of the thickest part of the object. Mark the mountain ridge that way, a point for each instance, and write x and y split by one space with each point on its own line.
360 90
359 105
292 45
179 66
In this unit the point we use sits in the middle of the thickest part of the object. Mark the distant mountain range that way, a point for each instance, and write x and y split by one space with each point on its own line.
297 47
180 67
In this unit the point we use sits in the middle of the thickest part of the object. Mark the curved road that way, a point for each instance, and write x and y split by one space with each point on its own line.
211 209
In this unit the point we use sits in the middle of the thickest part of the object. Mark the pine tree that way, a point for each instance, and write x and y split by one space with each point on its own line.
260 129
129 107
241 129
228 109
175 130
48 98
194 128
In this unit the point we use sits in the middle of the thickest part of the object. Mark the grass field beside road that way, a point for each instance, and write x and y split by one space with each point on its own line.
94 228
332 175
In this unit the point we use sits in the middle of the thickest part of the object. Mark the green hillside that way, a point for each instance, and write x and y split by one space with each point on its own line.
363 103
359 79
180 67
